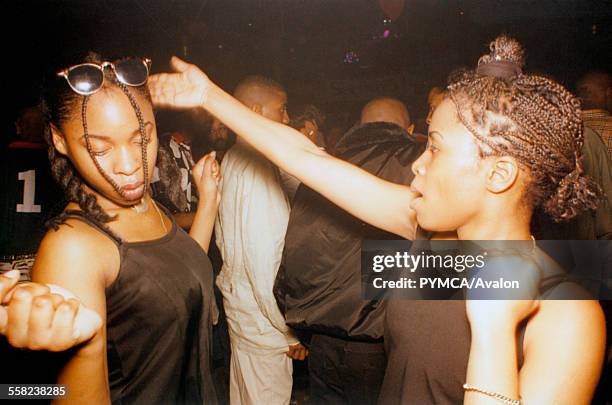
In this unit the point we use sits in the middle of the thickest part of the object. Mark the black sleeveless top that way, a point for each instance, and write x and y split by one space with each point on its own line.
159 321
428 347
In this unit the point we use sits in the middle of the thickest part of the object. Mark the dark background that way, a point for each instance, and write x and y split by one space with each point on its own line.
305 43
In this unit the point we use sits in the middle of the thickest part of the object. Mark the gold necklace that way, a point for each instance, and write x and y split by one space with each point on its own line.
160 218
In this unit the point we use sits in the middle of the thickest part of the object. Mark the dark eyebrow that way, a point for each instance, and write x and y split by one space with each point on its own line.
137 131
107 138
103 137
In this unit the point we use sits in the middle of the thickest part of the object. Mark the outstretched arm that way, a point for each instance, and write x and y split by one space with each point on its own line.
375 201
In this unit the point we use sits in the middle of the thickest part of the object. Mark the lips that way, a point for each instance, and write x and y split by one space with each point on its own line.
132 191
415 190
418 196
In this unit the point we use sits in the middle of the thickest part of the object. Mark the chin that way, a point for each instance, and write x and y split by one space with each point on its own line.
434 225
123 200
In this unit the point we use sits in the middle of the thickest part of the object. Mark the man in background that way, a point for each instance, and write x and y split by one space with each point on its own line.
250 232
319 284
595 92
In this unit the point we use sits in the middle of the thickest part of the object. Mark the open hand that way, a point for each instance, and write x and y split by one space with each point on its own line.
43 317
187 88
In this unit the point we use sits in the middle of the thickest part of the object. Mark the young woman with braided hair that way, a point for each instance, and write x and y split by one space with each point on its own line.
119 252
513 141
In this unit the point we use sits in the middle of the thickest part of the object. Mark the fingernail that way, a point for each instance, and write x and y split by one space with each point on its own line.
21 294
41 302
12 274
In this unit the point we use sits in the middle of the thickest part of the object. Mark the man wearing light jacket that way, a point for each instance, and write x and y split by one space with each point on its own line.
250 232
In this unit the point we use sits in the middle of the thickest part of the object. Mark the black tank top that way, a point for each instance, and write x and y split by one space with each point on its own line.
428 347
159 321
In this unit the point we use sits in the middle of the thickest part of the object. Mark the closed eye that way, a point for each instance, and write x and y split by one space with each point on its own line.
100 153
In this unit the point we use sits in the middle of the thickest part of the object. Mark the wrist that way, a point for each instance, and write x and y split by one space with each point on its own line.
493 332
210 91
207 203
92 347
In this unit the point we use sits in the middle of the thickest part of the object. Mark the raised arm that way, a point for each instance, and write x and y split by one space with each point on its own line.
206 175
375 201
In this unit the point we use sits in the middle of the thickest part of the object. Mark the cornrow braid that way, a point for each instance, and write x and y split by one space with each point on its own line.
143 136
141 127
90 149
68 178
60 104
533 119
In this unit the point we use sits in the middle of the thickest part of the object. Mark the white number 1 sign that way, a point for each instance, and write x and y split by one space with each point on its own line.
29 189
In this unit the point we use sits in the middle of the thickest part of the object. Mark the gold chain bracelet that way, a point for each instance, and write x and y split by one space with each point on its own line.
499 397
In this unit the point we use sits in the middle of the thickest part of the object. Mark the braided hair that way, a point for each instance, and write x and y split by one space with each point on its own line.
531 118
60 103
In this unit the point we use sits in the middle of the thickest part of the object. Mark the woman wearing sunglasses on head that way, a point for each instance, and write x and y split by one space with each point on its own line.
514 142
120 252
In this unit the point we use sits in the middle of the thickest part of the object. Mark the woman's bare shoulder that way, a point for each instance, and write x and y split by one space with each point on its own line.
573 323
75 246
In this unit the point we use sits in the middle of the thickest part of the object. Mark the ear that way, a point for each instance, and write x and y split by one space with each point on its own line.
256 108
502 174
58 140
410 129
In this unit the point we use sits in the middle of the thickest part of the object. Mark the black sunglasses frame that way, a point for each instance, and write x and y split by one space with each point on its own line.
65 73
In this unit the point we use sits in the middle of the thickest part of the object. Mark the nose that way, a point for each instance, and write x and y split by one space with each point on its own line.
285 117
418 166
128 160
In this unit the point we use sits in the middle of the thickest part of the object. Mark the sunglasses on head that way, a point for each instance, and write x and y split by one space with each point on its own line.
87 78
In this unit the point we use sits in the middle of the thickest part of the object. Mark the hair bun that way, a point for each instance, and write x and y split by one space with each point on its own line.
505 60
575 194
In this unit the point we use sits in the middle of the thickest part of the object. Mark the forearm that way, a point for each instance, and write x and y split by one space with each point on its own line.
492 365
203 223
86 376
373 200
259 131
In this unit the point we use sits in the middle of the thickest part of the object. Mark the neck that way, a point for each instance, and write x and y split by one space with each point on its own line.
142 206
513 225
111 206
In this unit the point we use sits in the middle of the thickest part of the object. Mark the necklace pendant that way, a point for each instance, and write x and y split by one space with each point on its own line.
141 207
